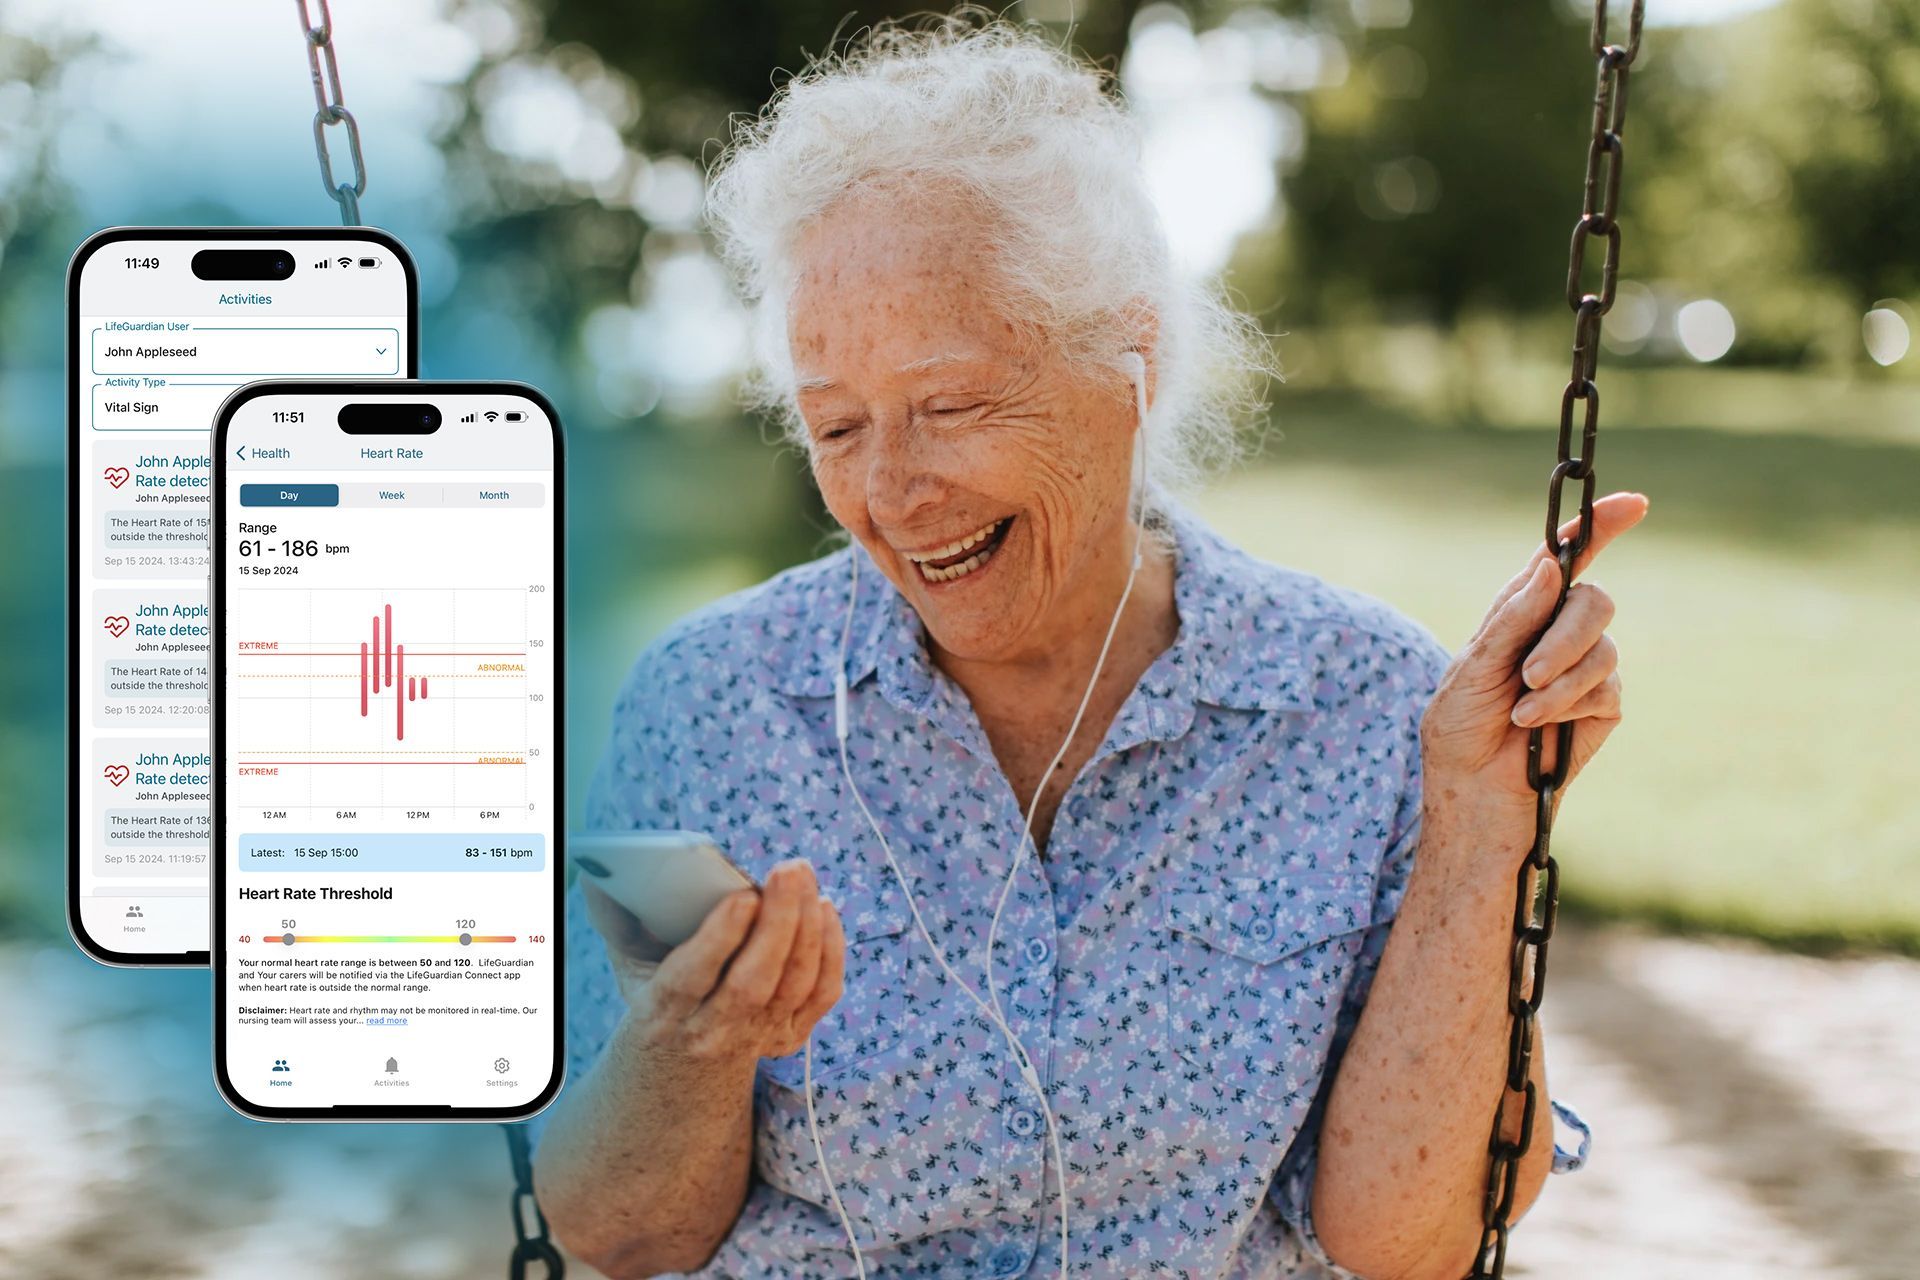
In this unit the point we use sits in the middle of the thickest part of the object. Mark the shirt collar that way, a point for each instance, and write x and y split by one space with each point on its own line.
1239 644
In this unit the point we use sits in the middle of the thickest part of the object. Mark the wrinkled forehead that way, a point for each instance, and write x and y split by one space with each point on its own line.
897 276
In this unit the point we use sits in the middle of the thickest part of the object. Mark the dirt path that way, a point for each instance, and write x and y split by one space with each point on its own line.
1757 1117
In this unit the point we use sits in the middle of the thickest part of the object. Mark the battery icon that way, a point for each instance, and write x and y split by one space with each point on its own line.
369 262
514 415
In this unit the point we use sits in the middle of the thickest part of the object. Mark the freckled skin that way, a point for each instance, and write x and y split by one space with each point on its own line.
913 450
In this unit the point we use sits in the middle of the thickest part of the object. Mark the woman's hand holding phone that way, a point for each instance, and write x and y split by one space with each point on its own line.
676 1078
752 981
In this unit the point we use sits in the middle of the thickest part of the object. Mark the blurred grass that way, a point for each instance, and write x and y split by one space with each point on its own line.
1761 782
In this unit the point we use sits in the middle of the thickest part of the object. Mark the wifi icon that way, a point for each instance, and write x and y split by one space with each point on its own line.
345 262
492 416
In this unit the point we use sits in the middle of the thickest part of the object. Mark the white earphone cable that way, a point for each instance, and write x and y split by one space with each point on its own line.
1086 698
989 1007
820 1154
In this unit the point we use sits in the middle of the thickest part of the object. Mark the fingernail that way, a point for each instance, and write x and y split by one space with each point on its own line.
1523 711
1531 675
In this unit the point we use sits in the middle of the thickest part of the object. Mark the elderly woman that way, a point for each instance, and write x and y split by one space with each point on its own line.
1256 950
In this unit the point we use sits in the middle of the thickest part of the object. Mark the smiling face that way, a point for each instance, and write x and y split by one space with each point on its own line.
987 477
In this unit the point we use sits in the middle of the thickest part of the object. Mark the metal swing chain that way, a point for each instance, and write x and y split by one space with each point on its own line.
1598 217
531 1241
332 111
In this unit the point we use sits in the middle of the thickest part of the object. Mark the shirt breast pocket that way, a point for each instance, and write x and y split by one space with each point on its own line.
882 1079
1257 969
877 996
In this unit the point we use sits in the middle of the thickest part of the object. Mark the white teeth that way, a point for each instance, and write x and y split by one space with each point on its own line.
933 573
960 570
955 548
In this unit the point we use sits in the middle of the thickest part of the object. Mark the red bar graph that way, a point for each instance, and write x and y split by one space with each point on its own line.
394 660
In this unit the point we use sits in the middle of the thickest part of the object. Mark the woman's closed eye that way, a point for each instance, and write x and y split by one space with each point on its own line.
836 430
950 409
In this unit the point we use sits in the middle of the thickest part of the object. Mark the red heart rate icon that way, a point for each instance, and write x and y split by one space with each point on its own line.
117 624
115 476
117 773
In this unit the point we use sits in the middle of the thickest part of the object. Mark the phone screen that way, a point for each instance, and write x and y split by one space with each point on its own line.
387 720
163 324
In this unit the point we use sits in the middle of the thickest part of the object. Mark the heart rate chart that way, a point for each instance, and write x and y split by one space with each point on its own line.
404 705
371 679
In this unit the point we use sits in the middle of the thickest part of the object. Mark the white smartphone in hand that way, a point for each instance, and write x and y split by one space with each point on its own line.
669 880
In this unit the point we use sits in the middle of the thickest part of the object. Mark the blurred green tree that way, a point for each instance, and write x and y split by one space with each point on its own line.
1785 169
698 62
1845 113
1444 170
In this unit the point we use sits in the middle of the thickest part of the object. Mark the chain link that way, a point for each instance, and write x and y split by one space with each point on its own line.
531 1243
1537 899
332 111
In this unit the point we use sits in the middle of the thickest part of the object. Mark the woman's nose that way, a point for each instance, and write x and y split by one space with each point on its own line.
902 480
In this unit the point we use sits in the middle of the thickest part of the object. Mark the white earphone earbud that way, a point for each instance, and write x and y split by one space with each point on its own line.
1135 366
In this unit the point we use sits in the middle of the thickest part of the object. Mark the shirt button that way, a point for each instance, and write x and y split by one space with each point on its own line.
1261 931
1077 808
1007 1260
1022 1123
1038 951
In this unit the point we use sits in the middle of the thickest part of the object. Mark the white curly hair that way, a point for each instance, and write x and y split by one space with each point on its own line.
1036 138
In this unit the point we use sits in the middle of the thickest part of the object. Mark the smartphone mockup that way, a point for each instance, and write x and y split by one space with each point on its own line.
387 694
162 324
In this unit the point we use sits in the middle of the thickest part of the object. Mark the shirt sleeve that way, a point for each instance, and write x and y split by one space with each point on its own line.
1292 1189
628 792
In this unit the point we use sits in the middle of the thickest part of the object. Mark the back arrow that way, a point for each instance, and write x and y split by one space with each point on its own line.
241 453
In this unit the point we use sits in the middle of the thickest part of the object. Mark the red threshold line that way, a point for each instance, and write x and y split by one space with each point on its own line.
484 764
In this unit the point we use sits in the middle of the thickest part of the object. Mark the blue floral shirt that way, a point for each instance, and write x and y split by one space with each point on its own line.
1185 963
